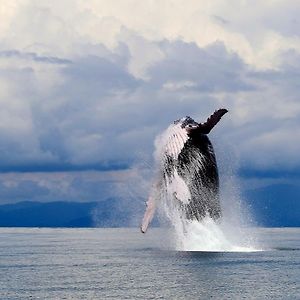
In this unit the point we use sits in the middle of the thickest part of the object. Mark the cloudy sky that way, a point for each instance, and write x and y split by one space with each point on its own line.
85 86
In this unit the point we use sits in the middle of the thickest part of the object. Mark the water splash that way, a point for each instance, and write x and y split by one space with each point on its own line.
207 236
229 234
225 235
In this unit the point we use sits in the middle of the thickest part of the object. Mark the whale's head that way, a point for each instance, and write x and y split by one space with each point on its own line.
190 125
187 123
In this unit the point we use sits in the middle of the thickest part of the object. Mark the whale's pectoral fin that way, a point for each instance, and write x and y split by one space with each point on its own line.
212 121
148 214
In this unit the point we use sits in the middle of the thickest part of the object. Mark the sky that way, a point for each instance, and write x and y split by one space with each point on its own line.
85 86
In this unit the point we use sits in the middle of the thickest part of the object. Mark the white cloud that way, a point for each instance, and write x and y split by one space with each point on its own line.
88 82
62 186
258 32
178 85
143 54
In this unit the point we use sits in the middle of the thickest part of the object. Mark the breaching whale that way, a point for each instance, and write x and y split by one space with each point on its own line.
187 170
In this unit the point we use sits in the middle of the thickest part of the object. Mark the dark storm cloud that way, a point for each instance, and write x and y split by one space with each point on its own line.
64 167
34 56
96 115
100 76
68 119
119 115
211 69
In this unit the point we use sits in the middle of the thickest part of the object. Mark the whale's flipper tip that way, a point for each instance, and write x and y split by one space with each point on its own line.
212 120
222 110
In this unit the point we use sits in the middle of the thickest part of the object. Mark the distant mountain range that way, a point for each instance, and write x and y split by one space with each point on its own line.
273 206
62 214
52 214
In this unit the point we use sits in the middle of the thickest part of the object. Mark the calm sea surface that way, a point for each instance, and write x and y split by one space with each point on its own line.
124 264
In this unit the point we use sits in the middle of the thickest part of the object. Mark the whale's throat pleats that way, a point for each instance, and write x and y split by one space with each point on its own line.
176 137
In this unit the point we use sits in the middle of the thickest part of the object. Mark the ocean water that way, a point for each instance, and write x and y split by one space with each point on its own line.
98 263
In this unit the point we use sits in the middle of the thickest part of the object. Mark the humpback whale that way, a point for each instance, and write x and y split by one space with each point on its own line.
187 171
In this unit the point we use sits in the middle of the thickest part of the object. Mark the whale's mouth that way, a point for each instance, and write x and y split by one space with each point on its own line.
191 127
187 123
